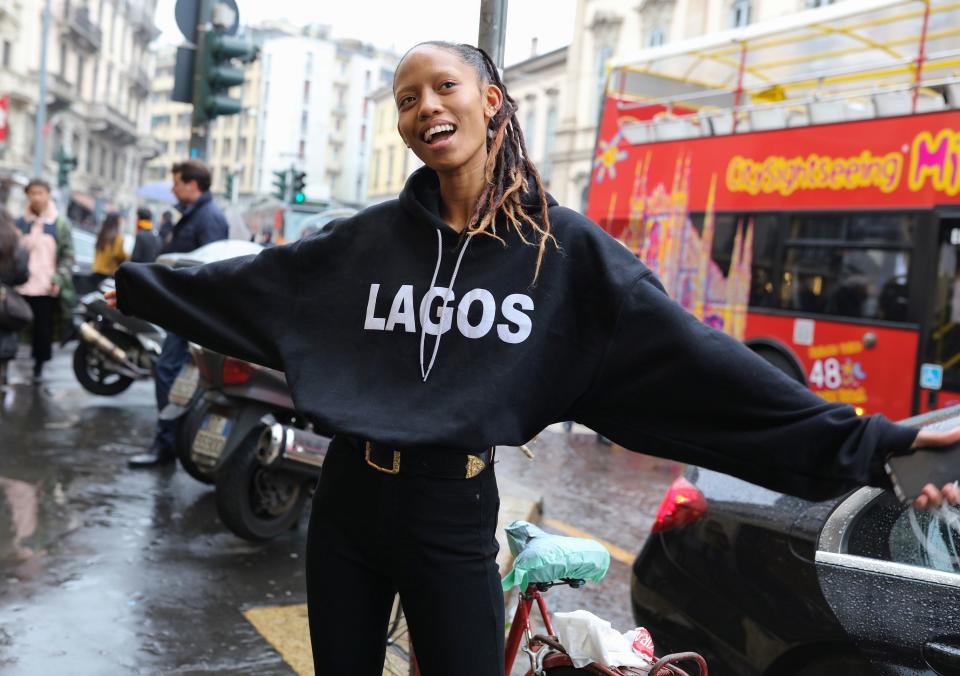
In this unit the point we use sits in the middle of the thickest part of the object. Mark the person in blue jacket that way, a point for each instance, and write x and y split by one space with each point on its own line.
201 222
469 313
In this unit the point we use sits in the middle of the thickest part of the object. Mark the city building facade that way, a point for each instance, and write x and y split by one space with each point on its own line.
607 29
391 162
537 85
316 114
99 69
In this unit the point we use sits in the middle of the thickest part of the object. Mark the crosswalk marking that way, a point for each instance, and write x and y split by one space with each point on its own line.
618 553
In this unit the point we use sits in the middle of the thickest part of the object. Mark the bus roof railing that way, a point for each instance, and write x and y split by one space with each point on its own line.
878 102
855 50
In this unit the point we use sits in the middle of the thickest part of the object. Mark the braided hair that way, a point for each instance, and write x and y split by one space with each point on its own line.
508 166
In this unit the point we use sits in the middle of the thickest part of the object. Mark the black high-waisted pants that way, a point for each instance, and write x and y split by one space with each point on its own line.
430 540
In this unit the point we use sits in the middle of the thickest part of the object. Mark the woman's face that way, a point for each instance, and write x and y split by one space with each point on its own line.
443 109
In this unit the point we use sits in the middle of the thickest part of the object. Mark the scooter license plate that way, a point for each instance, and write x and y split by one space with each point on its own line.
184 386
212 436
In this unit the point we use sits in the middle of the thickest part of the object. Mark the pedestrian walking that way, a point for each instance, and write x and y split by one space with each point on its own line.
474 311
46 236
201 222
146 248
109 253
14 270
166 227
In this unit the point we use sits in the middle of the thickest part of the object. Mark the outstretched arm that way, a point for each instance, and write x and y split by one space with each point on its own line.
241 306
670 385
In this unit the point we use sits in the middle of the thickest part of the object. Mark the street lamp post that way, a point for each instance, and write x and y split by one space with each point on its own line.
41 118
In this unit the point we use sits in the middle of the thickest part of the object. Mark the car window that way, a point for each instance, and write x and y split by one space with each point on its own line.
890 531
83 245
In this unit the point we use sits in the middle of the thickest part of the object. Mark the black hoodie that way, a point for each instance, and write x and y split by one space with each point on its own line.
595 340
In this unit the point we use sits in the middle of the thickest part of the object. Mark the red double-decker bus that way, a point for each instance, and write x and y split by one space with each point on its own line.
799 188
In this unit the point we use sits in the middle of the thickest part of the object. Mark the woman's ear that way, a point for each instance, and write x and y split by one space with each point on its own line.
492 101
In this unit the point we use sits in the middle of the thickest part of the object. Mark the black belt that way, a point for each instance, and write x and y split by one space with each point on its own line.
435 463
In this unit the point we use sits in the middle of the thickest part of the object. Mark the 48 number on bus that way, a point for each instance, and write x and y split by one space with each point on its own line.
825 374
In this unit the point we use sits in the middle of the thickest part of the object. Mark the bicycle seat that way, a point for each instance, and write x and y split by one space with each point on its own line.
545 559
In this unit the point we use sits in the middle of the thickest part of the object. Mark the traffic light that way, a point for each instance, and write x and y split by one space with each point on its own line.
216 74
65 164
299 184
230 176
280 185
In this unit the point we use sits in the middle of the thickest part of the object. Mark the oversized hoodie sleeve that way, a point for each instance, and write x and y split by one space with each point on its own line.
241 306
669 385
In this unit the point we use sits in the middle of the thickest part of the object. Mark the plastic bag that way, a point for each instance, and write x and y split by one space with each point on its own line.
541 557
587 638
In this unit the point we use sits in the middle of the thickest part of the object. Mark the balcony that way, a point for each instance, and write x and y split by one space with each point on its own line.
110 123
143 27
85 34
139 82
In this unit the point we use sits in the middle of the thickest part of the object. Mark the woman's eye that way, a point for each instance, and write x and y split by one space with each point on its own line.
447 84
404 101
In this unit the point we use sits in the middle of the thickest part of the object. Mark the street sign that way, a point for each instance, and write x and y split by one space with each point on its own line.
4 111
222 12
931 376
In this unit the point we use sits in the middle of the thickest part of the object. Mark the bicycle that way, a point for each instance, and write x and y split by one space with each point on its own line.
546 653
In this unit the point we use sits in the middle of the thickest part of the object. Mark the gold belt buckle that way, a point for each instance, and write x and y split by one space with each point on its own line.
392 470
474 466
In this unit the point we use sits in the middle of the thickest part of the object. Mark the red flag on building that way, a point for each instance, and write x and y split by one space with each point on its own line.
4 110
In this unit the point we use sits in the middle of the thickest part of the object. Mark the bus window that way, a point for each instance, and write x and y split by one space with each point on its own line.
945 337
846 282
762 276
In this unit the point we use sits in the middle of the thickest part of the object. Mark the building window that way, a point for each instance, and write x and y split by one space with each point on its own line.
376 170
549 135
304 120
303 149
309 66
63 60
89 157
740 13
306 91
602 57
183 120
390 164
227 147
529 130
818 3
181 148
81 65
242 148
656 38
7 49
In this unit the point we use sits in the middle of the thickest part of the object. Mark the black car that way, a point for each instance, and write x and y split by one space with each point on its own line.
760 582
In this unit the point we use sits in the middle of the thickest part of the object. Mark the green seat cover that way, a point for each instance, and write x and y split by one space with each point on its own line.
542 557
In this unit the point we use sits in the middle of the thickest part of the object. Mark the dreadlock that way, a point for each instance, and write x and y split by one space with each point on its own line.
508 165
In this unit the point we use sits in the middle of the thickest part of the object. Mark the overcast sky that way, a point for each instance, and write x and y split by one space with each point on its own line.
399 24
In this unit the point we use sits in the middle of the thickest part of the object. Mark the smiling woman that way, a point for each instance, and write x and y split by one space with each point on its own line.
543 318
457 117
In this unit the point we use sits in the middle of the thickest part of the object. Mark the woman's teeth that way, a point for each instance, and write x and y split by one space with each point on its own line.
428 134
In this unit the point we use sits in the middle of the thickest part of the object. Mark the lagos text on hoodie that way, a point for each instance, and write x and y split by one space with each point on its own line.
396 328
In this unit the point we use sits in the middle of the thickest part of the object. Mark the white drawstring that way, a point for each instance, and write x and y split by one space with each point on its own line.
443 308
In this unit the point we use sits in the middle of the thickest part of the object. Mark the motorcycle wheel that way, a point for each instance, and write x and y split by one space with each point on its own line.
93 371
187 427
255 502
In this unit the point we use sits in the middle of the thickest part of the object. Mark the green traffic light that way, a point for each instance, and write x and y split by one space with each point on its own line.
299 198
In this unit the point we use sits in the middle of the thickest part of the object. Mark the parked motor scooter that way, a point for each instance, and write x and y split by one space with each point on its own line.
114 349
261 484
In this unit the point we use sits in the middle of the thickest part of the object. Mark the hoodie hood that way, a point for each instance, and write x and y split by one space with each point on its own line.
420 198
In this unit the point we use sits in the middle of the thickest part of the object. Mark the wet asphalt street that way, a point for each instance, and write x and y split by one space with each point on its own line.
108 570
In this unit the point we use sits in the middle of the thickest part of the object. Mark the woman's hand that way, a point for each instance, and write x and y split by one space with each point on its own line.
111 298
931 495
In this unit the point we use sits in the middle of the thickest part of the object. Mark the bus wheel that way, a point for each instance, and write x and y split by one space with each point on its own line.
781 360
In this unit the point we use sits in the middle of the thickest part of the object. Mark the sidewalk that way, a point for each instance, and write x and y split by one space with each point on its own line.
285 627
